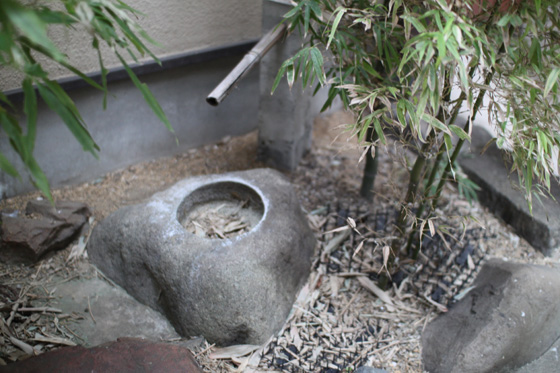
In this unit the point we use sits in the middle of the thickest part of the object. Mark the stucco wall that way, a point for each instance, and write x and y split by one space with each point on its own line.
178 25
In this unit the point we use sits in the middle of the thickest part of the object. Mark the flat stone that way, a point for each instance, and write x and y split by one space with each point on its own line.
126 355
509 319
108 312
237 290
489 171
548 362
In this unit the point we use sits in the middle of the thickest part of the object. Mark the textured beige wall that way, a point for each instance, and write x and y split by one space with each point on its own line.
179 25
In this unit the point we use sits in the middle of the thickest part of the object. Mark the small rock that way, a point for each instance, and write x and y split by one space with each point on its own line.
43 228
509 319
126 355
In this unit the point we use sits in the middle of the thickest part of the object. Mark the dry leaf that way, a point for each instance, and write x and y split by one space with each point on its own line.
297 341
339 229
22 346
470 262
364 154
432 228
351 222
335 242
368 284
233 351
439 306
360 245
386 253
53 340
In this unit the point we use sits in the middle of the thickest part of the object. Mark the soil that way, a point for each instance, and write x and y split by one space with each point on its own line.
337 315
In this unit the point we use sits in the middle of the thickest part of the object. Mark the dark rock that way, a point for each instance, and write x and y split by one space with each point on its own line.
43 228
509 319
126 355
237 290
490 173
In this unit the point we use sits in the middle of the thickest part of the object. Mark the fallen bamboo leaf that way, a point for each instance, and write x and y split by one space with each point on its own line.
77 250
351 222
360 245
22 346
233 351
336 241
470 262
386 252
339 229
241 363
439 306
368 284
40 309
54 340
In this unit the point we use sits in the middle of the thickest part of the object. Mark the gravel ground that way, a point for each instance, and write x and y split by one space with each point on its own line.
340 319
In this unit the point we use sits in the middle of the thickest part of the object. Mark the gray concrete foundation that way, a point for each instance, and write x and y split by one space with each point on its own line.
286 117
128 132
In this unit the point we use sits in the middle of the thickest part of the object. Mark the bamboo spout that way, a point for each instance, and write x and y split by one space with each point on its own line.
245 65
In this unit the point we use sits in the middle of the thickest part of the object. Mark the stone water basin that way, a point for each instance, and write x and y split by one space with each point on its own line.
234 281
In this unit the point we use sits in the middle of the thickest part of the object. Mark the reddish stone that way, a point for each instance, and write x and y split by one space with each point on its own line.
126 355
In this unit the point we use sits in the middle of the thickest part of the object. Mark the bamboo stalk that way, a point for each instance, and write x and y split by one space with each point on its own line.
370 169
245 65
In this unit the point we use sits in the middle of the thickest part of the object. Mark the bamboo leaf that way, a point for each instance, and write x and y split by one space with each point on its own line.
339 12
317 61
30 25
30 110
379 131
280 75
148 96
551 81
459 132
66 111
7 167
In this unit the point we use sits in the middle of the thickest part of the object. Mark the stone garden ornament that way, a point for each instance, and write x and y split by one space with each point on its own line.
221 256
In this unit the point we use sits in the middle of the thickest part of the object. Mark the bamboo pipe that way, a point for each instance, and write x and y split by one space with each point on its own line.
245 65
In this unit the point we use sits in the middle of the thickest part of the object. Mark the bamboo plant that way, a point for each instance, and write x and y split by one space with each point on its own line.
24 37
410 67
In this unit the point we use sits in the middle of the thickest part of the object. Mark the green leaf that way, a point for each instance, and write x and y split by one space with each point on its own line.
448 144
551 81
504 20
39 179
7 167
30 25
436 123
280 75
66 111
30 110
317 61
148 96
365 126
339 12
379 130
459 132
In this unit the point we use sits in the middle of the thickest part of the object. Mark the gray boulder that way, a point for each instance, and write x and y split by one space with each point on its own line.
509 319
235 290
